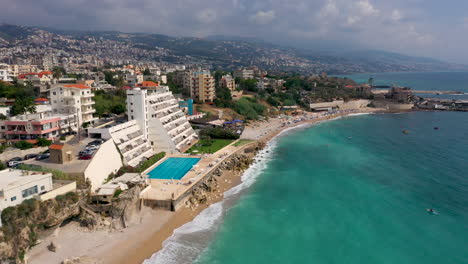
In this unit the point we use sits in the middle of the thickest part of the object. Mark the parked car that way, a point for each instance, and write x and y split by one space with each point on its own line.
30 156
16 159
96 142
86 157
43 156
92 147
14 163
86 152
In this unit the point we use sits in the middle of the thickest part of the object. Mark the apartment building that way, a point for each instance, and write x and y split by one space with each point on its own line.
162 122
5 73
202 87
42 124
129 139
36 79
244 74
73 99
228 82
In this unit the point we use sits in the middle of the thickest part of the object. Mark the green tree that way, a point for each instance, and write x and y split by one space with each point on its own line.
146 72
43 142
23 105
58 72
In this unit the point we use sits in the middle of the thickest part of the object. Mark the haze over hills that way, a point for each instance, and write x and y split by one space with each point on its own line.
19 42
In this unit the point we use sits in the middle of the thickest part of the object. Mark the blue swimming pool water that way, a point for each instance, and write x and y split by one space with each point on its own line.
173 168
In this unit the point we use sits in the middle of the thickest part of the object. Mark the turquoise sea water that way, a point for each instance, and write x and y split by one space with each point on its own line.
173 168
353 190
328 198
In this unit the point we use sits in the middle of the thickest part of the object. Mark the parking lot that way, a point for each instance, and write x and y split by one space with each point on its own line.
74 166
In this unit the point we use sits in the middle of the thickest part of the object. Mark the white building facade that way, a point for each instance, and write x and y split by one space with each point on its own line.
5 73
157 113
73 99
19 185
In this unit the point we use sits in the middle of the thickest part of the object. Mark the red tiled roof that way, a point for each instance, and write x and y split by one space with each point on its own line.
23 76
79 86
42 73
147 84
41 100
56 146
32 141
126 88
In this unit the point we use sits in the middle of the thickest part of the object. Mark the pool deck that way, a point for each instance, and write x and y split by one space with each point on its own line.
172 190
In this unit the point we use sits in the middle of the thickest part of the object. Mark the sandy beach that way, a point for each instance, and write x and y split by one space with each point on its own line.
146 235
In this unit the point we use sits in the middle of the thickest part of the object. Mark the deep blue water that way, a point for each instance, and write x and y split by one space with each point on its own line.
353 190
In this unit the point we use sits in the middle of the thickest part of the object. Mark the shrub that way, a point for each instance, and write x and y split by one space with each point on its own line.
63 138
219 133
23 145
43 142
146 164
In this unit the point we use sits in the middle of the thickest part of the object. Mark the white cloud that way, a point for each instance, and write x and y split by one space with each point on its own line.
263 17
366 8
396 15
329 10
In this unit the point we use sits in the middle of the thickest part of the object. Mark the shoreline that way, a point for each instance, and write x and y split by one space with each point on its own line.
145 238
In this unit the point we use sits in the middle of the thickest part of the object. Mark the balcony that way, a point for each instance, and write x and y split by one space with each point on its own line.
88 111
90 95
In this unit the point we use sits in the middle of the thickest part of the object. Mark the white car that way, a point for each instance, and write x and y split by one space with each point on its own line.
14 163
91 147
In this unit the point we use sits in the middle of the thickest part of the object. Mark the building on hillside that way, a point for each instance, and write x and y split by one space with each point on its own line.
203 87
36 79
162 122
5 73
129 139
228 82
72 99
244 74
134 79
41 124
19 185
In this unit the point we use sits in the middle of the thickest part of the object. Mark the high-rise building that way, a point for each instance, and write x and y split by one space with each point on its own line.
203 87
157 113
5 73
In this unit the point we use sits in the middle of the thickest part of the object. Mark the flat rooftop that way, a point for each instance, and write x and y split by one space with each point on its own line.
11 176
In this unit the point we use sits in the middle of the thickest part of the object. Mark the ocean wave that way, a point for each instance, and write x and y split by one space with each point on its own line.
189 240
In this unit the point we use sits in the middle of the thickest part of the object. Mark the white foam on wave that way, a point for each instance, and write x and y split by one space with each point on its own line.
359 114
177 249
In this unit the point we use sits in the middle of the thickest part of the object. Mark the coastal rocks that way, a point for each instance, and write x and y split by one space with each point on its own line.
51 247
125 208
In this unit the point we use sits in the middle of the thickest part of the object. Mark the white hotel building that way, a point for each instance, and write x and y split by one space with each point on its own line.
162 122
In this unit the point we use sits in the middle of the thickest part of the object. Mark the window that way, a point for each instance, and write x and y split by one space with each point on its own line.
42 188
30 191
73 93
132 117
13 198
54 93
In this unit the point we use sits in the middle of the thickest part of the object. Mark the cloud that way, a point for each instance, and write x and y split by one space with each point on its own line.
396 15
398 25
366 8
263 17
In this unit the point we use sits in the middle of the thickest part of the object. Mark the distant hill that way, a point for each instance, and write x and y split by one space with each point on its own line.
219 51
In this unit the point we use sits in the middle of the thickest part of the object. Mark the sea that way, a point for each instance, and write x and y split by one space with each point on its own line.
430 81
351 190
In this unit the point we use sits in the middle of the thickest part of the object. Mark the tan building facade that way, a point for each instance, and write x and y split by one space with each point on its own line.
203 87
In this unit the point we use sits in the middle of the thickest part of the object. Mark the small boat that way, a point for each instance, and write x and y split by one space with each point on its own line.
436 128
432 211
405 132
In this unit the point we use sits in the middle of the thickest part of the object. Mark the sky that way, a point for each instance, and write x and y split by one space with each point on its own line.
430 28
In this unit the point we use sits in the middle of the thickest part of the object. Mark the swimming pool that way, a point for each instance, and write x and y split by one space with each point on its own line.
173 168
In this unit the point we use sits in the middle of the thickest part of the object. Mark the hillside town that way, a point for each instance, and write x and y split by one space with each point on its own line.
93 129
